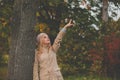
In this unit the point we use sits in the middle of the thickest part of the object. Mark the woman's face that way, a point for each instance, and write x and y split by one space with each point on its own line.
45 39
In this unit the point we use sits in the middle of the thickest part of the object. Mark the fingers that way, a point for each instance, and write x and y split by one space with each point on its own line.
70 21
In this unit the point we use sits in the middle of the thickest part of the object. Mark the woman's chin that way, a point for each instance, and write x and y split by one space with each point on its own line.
47 43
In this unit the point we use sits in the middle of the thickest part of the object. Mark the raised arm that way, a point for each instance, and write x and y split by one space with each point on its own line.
60 35
35 68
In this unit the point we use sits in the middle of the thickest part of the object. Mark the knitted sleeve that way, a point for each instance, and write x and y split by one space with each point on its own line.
58 39
35 68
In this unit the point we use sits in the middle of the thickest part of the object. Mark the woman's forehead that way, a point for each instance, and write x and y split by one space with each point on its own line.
44 35
41 35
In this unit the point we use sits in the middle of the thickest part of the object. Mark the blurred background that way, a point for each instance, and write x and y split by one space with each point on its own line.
89 51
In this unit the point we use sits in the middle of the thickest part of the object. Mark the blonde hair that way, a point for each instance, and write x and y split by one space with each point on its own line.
39 42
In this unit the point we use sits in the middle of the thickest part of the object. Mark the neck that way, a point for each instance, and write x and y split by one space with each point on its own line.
44 48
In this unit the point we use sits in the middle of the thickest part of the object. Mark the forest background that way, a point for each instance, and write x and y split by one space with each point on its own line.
89 51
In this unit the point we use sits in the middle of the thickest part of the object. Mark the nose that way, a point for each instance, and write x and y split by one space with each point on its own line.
48 39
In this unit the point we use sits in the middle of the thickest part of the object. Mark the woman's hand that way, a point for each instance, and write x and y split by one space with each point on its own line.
69 24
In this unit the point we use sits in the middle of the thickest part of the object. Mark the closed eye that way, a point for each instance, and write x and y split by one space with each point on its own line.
44 37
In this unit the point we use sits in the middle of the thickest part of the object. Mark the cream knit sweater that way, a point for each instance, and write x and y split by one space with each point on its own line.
45 65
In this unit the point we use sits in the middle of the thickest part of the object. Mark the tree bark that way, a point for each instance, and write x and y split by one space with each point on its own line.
22 45
105 10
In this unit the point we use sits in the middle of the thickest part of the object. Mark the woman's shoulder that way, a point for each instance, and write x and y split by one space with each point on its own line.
37 52
52 50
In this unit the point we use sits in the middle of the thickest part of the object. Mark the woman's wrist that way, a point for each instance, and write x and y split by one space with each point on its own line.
65 26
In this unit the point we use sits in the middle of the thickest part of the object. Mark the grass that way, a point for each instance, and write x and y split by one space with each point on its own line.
92 77
3 75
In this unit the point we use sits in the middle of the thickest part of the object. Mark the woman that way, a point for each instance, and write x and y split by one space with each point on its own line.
45 64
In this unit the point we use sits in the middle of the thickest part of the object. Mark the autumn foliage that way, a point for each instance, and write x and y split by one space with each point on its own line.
106 57
112 48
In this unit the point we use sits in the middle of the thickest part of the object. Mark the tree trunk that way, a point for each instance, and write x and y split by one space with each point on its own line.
105 10
22 45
